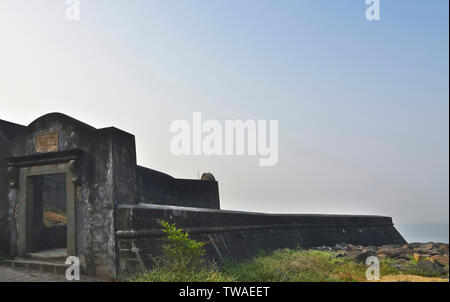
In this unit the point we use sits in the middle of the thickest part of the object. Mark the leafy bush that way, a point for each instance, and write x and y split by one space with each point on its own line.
180 253
181 260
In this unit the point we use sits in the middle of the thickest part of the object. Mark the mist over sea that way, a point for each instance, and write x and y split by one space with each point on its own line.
424 232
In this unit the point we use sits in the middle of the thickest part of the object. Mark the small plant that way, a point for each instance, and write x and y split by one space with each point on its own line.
181 260
180 253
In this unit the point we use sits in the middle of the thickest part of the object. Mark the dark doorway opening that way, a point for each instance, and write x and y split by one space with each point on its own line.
49 222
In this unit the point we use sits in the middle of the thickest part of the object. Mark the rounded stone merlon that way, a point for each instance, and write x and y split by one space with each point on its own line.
207 177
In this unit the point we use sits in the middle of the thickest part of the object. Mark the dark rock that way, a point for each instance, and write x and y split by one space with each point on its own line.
390 252
442 260
340 246
351 247
414 245
341 254
442 248
323 248
361 256
429 267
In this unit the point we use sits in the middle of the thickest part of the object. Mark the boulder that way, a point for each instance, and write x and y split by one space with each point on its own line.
351 247
441 248
340 246
429 267
324 248
442 260
387 252
414 245
394 252
427 246
405 254
361 256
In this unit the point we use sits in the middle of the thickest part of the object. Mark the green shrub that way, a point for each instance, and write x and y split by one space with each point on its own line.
180 253
181 260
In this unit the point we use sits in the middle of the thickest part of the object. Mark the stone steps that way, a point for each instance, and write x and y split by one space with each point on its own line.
49 267
48 256
50 261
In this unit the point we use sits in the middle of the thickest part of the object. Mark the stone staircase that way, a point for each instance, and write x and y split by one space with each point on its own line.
52 261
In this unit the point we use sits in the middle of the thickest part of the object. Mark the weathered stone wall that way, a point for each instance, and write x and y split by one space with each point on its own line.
159 188
112 183
105 169
240 234
4 203
8 131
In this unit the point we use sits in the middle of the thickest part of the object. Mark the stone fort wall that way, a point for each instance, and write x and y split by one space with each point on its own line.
155 187
240 235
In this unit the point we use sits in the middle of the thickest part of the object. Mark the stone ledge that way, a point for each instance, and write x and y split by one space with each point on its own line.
58 268
206 230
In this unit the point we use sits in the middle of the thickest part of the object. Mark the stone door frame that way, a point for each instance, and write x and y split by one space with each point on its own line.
22 170
26 205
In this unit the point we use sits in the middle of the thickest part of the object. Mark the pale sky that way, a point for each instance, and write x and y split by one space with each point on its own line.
362 106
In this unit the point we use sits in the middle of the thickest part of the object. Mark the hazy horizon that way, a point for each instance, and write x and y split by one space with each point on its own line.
362 106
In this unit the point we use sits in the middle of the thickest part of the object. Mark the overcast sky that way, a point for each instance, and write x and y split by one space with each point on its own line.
362 106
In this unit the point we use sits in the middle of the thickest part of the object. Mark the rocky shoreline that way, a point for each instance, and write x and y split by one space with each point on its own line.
428 258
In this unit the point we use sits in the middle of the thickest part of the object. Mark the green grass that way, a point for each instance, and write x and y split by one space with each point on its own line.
283 266
295 266
182 261
204 274
278 266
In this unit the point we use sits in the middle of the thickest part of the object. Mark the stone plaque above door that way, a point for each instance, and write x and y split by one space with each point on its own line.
47 142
